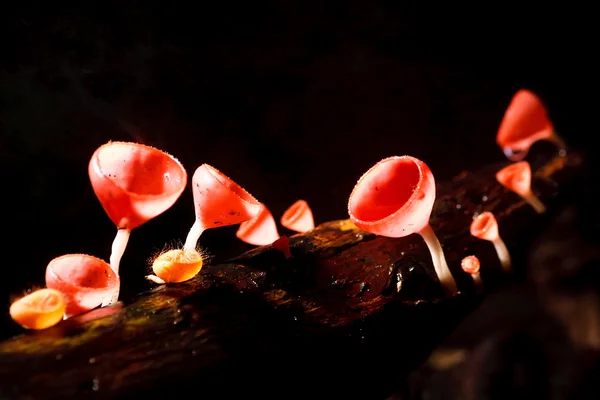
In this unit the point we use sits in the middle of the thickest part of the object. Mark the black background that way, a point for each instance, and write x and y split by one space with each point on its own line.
292 99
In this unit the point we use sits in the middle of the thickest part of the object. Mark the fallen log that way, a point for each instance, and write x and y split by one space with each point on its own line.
330 320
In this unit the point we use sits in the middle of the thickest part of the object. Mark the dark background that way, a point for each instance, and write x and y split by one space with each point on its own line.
292 99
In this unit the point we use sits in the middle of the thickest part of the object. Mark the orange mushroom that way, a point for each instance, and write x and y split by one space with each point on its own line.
40 309
395 198
485 226
134 183
298 217
84 280
259 230
517 178
176 265
471 265
525 122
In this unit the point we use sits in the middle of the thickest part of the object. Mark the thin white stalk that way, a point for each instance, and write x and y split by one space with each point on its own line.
118 248
439 260
477 281
193 235
503 254
535 202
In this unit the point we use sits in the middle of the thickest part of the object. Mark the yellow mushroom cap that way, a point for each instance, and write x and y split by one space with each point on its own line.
177 265
39 310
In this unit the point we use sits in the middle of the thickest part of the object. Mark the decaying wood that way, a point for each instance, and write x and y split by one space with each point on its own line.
331 320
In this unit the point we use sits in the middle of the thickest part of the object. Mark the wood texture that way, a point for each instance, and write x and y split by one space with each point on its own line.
328 321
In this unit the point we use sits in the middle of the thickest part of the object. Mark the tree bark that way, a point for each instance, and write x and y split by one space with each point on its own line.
332 320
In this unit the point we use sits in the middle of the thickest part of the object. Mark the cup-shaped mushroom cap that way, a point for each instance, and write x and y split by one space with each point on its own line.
525 122
135 182
470 264
39 310
485 226
516 177
298 217
259 230
84 280
394 198
220 201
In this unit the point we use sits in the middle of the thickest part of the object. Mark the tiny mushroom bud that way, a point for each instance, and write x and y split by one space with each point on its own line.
298 217
395 198
134 183
525 122
84 280
283 245
40 309
260 230
470 264
485 226
517 177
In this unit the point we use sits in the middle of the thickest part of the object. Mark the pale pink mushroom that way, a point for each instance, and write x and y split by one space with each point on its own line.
298 217
395 198
219 201
525 122
260 230
517 178
485 226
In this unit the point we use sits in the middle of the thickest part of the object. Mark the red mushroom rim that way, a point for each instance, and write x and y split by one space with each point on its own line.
98 167
111 281
234 187
293 213
415 163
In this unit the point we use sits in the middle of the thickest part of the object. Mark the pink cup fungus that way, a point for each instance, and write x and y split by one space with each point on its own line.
219 201
298 217
259 230
134 183
525 122
395 198
485 227
517 178
84 280
471 265
40 309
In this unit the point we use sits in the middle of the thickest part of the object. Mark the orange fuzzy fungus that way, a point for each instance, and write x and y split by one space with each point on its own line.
176 265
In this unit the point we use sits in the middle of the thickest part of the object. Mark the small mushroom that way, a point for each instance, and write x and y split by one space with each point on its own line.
177 265
298 217
40 309
84 280
485 226
259 230
134 183
525 122
218 201
395 198
470 264
517 178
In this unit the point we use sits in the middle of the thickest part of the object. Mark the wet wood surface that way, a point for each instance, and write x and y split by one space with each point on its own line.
347 315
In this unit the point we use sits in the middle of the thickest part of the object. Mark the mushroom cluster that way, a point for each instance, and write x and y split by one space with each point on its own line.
135 183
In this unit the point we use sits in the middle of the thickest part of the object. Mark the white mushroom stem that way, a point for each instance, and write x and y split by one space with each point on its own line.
155 279
439 260
191 241
503 253
477 281
118 249
534 202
